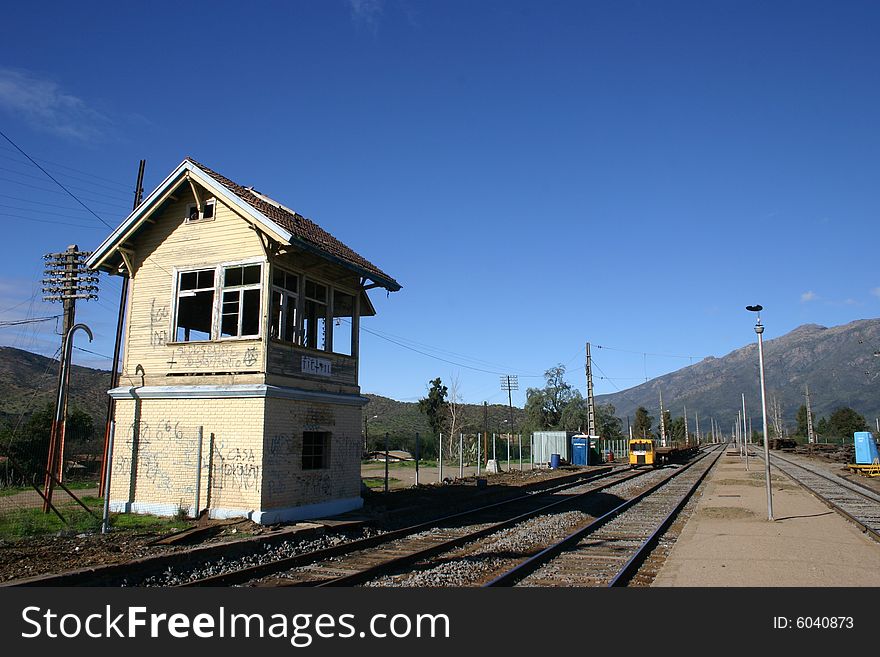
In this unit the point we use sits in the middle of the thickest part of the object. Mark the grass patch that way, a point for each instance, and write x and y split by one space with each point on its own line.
20 523
30 522
378 482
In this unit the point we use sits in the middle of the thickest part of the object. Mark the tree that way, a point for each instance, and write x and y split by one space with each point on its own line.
609 426
665 425
544 406
844 422
435 406
675 429
642 423
575 415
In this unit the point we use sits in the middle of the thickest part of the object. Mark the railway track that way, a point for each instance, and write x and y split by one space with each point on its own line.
472 554
858 504
341 564
608 551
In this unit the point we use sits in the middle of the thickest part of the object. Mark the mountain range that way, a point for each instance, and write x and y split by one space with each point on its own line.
841 366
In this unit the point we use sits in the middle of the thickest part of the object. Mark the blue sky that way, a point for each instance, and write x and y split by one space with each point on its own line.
535 175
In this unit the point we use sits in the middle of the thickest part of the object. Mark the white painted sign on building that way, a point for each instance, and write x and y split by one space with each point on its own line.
319 366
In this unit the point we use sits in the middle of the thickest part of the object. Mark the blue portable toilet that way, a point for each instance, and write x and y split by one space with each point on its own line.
579 451
866 448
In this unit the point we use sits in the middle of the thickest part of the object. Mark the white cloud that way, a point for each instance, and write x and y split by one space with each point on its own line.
44 106
876 291
809 296
367 12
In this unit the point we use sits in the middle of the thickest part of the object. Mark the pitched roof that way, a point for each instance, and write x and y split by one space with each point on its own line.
298 225
282 222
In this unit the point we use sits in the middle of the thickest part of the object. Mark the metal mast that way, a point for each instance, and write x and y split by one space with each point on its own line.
591 409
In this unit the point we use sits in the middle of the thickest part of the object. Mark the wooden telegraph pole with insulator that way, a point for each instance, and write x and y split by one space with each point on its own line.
66 280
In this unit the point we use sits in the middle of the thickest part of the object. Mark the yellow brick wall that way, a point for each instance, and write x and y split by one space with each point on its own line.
286 483
165 448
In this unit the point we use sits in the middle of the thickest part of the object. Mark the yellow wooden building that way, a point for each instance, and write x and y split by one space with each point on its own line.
239 388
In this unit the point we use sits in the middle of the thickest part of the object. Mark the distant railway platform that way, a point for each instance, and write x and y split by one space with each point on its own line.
728 541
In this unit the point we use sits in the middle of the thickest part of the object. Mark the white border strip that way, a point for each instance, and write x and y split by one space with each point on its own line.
241 391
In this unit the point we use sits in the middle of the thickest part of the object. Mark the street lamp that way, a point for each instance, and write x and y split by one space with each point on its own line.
366 433
759 329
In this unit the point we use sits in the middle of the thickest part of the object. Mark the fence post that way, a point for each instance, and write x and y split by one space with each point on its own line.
520 452
418 454
210 482
479 455
105 523
461 456
508 452
493 447
440 461
386 461
198 473
532 450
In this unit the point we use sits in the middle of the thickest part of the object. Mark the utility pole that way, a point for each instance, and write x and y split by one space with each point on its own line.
485 429
117 349
810 436
662 423
591 409
697 417
687 440
510 382
66 280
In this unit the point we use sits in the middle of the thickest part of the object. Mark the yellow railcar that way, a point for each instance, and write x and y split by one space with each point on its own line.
641 452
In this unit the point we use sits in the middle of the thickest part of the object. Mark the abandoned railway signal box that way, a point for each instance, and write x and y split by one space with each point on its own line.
239 388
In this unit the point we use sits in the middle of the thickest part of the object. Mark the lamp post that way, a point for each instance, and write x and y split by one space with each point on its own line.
366 433
759 329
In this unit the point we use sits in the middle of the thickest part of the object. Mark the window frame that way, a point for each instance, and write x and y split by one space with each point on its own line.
201 218
324 454
301 299
217 306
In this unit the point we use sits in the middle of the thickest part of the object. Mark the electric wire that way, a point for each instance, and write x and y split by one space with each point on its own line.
72 195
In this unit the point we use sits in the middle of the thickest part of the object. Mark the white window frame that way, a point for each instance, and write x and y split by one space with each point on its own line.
217 307
201 218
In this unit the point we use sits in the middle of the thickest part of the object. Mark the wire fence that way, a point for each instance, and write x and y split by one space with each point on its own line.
32 502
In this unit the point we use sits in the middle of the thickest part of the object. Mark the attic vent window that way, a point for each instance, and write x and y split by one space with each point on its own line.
206 214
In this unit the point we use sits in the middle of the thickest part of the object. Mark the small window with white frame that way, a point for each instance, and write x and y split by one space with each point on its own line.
207 213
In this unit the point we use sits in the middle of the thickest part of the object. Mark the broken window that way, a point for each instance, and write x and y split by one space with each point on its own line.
240 310
315 316
195 305
285 290
316 448
207 211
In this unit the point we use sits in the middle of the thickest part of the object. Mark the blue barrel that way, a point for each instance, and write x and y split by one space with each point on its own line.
554 461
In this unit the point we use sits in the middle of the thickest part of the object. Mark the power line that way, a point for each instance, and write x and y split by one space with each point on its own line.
647 353
49 221
451 362
72 195
53 191
27 175
65 166
19 322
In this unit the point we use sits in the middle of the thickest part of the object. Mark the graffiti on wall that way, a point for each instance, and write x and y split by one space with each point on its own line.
158 319
160 455
235 468
213 357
